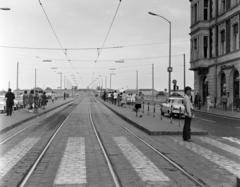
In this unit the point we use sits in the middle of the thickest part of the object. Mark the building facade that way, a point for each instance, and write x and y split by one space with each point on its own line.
215 51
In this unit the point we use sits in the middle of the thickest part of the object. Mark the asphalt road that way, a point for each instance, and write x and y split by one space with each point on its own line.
216 125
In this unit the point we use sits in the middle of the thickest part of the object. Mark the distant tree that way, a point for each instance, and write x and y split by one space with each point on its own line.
48 88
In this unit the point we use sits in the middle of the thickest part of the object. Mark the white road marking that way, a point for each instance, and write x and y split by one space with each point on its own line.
72 169
221 161
8 160
231 139
220 145
146 170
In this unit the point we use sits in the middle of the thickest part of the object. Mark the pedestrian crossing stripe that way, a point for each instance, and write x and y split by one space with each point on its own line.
221 161
220 145
14 155
72 169
146 169
231 139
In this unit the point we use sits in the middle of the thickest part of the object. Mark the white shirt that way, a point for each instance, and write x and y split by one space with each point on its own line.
115 95
188 106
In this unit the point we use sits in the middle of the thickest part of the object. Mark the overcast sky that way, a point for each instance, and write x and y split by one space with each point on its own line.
136 37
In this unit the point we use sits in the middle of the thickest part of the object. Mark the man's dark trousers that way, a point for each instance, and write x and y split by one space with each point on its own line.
9 109
187 129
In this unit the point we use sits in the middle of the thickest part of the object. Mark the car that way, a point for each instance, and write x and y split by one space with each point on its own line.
174 106
18 102
2 103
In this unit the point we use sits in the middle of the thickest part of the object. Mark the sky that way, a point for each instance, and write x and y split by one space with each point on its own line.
70 35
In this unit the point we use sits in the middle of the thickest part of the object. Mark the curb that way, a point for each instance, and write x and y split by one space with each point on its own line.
219 115
30 118
152 133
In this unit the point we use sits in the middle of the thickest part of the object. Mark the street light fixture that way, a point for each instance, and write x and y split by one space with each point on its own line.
169 68
5 8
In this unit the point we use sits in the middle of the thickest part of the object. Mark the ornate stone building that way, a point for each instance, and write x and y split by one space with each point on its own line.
215 51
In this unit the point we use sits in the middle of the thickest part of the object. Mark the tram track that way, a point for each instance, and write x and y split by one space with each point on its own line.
36 122
191 177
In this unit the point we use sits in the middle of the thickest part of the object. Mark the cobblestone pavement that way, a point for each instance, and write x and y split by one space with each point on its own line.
214 160
75 159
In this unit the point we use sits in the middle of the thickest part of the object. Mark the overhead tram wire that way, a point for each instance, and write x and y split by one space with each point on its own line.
57 37
100 51
90 48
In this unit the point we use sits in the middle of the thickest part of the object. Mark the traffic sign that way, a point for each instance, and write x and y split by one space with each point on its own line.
170 69
174 81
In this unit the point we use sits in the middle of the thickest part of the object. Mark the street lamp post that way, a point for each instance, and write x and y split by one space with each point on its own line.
169 68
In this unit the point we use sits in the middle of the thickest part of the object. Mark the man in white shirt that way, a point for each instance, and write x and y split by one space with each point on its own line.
188 115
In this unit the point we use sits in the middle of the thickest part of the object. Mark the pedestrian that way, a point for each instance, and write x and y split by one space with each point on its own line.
132 99
104 95
138 104
30 101
124 100
53 97
188 114
36 102
237 103
198 101
40 98
64 96
44 100
119 99
224 102
10 101
25 100
112 98
209 103
115 96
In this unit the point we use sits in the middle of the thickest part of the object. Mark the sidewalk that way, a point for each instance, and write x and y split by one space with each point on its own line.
219 112
21 116
151 125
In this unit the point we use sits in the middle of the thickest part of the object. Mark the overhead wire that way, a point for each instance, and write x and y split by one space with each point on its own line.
56 34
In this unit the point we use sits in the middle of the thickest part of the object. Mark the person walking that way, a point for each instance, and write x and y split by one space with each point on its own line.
36 102
124 100
104 96
198 98
209 103
115 97
188 114
138 103
53 97
30 101
44 100
224 102
25 100
10 101
64 96
237 103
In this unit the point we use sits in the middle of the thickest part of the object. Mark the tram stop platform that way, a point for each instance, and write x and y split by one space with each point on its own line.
21 116
151 125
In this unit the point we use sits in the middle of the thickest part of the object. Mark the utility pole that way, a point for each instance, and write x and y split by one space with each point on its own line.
137 82
110 81
35 79
152 82
184 73
8 84
105 82
17 76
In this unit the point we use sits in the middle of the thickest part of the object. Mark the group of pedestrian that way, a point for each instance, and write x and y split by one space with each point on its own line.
123 99
34 100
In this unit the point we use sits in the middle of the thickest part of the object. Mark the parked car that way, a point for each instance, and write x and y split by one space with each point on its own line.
18 101
2 103
173 104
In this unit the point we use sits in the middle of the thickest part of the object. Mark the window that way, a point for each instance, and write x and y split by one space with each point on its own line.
222 42
205 46
235 37
195 14
195 43
223 6
205 13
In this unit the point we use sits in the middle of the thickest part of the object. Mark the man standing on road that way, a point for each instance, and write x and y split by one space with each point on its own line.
188 115
53 97
115 96
138 103
10 97
224 102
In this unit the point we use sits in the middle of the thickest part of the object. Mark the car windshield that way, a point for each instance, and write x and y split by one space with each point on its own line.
176 101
